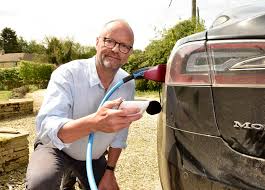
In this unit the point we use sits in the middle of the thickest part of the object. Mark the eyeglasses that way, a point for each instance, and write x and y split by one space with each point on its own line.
110 43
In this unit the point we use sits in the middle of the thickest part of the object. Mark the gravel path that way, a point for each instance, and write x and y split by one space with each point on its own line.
137 167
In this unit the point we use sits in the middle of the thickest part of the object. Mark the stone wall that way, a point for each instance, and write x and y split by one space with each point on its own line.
14 150
16 107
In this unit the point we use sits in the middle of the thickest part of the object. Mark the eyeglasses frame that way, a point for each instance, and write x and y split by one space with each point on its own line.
115 43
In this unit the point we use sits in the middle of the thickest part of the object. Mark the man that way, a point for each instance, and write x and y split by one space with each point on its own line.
69 113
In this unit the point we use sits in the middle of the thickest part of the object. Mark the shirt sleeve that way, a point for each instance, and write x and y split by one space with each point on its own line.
56 109
120 140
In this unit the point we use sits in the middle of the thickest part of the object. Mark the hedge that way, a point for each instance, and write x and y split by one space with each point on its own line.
28 73
35 73
9 78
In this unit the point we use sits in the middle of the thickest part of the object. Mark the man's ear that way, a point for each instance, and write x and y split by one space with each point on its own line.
131 51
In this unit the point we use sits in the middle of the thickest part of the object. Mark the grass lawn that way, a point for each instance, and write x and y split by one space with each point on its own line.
5 95
147 94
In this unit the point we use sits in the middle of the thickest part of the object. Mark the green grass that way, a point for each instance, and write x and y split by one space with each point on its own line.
147 94
5 95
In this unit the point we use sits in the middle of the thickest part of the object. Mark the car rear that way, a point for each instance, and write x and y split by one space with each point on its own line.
211 131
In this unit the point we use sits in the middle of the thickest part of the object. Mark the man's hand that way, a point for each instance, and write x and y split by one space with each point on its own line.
108 181
110 120
106 119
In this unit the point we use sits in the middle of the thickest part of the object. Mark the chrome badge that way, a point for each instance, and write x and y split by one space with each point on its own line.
248 125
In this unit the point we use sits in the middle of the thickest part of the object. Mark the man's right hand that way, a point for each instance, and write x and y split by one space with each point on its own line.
106 119
110 120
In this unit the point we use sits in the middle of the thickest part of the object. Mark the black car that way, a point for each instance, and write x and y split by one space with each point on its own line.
211 132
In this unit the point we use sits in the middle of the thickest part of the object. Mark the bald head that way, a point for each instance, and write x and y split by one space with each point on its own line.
114 46
118 26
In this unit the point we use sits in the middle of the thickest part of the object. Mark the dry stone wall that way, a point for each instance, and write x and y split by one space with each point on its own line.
14 150
15 107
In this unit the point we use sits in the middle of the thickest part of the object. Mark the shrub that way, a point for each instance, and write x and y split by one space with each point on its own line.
9 78
28 73
19 92
35 73
141 85
147 85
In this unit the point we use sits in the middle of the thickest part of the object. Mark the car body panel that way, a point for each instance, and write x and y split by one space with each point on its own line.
211 132
191 109
244 22
208 157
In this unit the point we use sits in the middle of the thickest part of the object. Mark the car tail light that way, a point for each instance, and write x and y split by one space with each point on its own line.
188 65
238 62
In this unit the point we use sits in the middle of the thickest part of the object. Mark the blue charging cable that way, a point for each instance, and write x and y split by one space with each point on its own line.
90 175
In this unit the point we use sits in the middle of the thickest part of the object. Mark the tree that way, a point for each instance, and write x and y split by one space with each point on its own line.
158 51
62 51
9 41
31 47
135 61
54 50
67 51
83 52
23 44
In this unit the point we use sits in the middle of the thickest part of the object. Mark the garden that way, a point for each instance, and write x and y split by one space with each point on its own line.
30 79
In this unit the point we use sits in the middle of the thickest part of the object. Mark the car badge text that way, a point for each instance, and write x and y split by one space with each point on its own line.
248 125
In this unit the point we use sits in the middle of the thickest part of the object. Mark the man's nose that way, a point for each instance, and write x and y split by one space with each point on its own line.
116 48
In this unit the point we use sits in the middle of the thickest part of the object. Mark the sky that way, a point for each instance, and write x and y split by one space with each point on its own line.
82 20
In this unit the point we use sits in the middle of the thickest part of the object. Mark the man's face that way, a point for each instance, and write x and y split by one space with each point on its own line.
118 36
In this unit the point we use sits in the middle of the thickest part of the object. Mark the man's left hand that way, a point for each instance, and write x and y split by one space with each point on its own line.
108 181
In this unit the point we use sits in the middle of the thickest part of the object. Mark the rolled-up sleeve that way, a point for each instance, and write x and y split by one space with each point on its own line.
56 109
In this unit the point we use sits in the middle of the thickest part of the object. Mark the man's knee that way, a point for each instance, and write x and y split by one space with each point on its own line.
45 169
42 181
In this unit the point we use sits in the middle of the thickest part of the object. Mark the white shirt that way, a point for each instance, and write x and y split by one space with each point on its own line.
75 91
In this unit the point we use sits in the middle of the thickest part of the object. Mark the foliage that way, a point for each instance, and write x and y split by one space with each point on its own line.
62 51
83 52
19 92
59 51
35 73
22 44
158 51
54 50
134 61
28 73
9 78
31 47
8 41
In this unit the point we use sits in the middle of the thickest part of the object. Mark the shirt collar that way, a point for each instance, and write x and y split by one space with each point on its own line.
93 74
